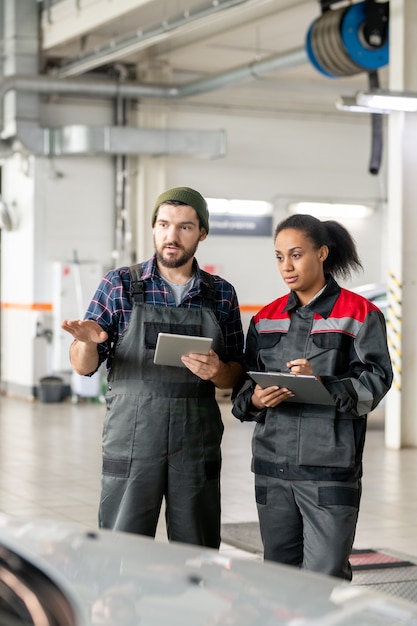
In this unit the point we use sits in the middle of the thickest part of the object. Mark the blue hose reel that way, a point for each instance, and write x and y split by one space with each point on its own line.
336 44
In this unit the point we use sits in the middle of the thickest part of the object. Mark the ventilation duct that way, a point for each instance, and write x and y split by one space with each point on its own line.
77 140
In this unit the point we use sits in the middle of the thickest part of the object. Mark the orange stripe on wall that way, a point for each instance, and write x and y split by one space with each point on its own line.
45 306
34 306
250 308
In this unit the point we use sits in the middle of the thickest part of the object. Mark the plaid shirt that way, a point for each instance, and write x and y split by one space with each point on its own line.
111 306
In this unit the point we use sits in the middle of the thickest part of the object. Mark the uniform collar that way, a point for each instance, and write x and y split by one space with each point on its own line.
323 304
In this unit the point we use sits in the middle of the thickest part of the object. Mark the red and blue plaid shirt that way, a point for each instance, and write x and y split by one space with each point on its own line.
111 306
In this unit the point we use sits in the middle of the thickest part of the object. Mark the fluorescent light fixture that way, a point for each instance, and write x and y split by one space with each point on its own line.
388 100
349 103
222 206
378 101
334 210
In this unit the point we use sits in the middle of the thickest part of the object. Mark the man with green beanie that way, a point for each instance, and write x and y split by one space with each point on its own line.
163 428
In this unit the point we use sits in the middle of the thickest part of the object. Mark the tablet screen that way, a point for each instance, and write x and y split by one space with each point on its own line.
170 348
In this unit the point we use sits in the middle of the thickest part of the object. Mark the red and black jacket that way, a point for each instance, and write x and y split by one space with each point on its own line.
343 335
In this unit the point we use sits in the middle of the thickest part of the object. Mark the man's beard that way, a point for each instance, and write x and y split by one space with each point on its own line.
180 261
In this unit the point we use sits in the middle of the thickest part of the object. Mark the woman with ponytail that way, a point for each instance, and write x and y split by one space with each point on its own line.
307 458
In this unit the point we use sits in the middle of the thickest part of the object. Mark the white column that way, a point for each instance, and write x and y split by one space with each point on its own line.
401 419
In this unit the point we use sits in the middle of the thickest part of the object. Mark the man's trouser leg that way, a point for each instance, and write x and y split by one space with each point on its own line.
193 505
133 504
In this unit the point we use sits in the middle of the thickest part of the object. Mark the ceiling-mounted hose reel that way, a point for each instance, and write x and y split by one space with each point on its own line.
341 42
348 41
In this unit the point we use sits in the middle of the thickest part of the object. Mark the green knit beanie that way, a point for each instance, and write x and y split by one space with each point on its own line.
191 197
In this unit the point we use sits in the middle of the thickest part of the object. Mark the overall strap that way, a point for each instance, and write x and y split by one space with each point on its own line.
136 284
208 292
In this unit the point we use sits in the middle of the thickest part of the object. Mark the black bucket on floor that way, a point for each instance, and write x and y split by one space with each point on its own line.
51 389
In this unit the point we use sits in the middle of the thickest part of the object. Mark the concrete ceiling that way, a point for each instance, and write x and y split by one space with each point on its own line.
179 42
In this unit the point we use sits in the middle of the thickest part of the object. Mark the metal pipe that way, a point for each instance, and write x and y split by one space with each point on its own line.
117 49
108 89
99 89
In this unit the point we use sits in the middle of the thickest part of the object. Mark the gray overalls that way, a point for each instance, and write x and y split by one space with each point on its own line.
162 429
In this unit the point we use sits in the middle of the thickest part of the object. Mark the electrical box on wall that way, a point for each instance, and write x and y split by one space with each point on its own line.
74 284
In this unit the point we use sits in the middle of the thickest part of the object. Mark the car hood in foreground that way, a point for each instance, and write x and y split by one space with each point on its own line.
74 577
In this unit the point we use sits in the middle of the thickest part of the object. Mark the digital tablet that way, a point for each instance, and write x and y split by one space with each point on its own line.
170 348
307 389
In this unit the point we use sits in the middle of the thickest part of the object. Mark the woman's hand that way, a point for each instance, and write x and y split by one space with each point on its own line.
300 366
270 396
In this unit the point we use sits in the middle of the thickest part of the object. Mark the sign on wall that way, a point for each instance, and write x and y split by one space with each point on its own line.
241 225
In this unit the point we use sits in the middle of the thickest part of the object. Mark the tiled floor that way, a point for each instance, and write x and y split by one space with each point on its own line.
50 460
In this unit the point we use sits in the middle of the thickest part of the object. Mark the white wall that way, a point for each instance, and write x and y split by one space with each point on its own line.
64 205
278 160
76 195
